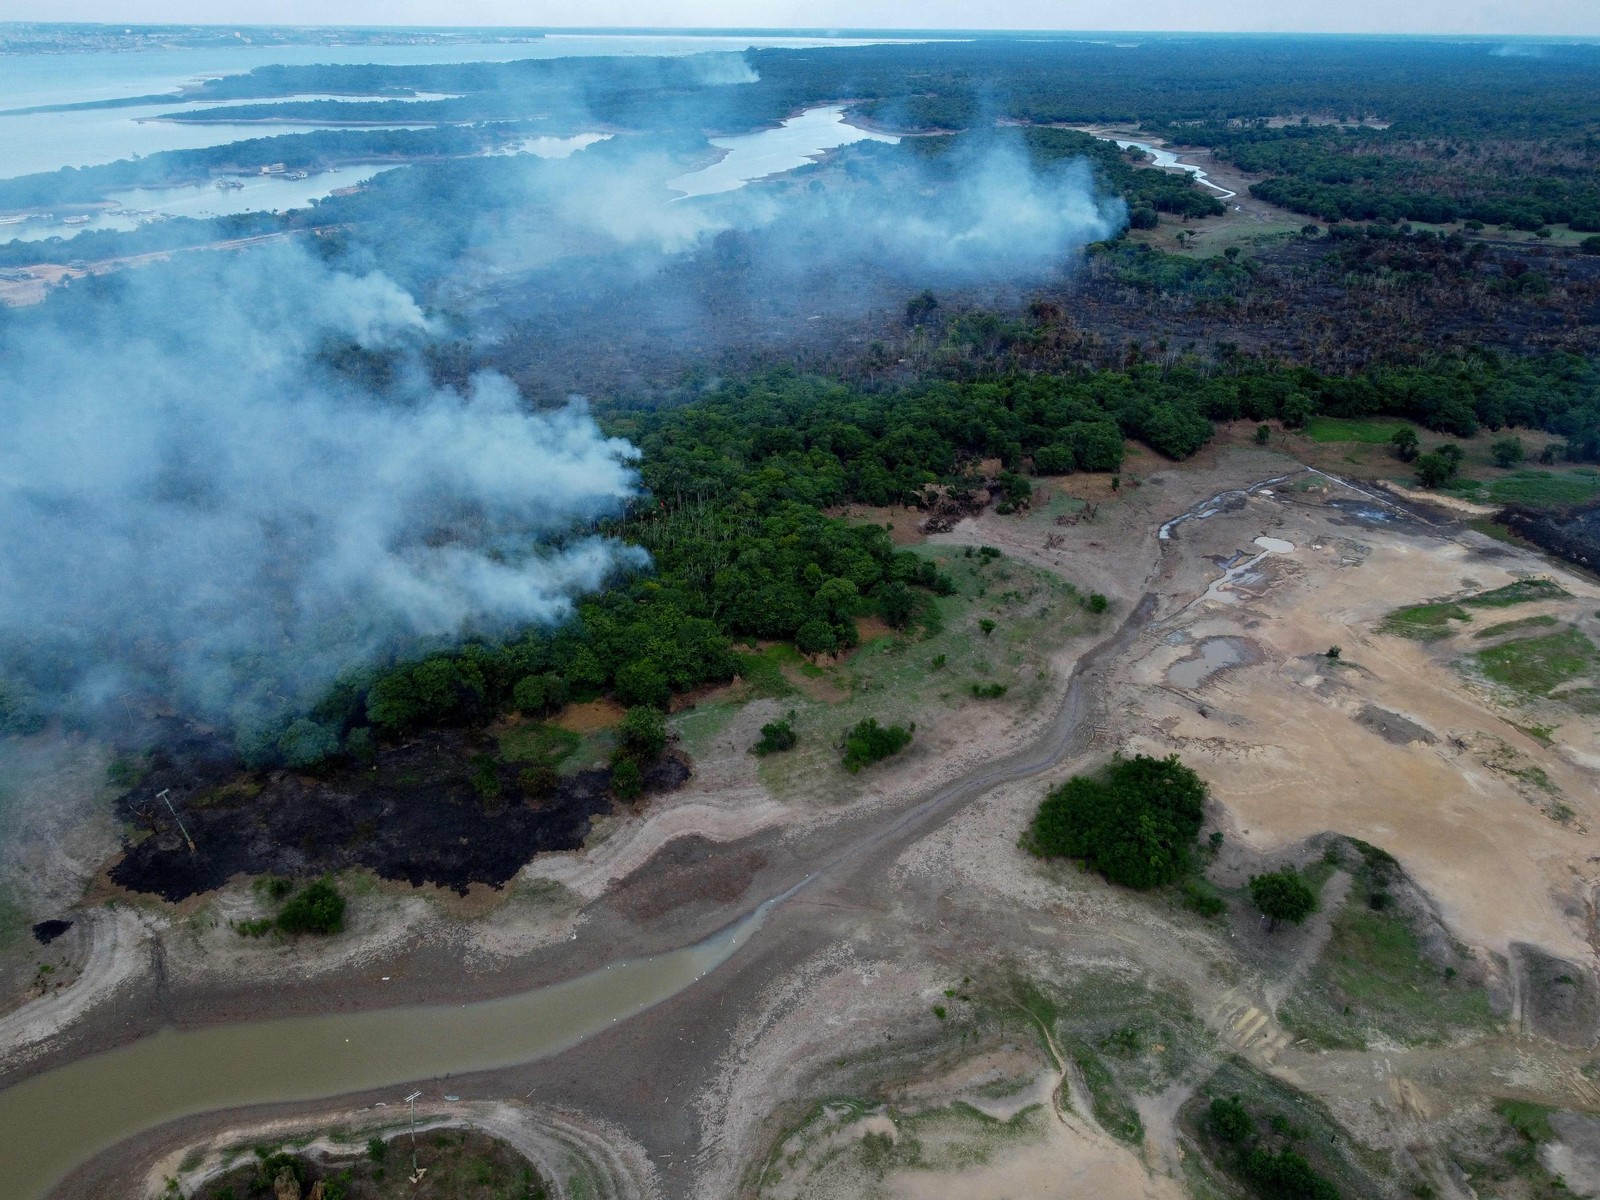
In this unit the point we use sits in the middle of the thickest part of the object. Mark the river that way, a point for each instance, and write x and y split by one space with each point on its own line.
254 193
752 156
34 142
747 157
1167 160
53 1121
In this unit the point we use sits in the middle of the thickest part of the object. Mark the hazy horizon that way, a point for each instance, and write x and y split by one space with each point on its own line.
1489 18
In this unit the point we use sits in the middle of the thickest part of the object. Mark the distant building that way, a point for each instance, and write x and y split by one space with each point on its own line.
274 169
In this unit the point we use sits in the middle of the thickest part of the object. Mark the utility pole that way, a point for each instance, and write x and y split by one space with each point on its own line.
166 794
412 1100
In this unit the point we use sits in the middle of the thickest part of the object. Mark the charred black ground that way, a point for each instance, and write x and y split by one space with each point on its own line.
414 815
46 932
1573 533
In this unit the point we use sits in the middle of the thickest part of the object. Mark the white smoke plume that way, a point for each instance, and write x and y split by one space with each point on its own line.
193 502
987 213
721 69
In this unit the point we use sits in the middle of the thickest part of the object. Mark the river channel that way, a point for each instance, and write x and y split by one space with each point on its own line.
1169 161
53 1121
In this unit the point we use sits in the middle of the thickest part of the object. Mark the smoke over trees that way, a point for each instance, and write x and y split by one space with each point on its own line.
205 501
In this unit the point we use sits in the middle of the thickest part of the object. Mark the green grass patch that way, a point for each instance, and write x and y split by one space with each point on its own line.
1520 592
1532 1121
1281 1118
1423 622
1539 489
1344 429
1537 666
1541 622
1373 977
762 670
700 726
1113 1107
895 679
538 743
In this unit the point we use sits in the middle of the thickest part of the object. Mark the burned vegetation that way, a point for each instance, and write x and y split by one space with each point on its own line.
433 810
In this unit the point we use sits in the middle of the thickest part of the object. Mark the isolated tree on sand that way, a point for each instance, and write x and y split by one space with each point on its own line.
1283 896
1135 822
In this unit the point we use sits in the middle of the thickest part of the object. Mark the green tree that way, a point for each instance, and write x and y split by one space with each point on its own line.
434 691
1297 410
539 695
1135 823
642 734
305 743
777 736
1054 460
1405 443
1435 470
898 603
868 742
641 683
1283 896
1508 452
1229 1121
627 781
318 909
816 637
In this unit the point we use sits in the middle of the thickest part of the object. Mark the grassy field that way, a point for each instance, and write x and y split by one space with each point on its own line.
1520 592
1423 622
1287 1117
1533 488
1519 626
537 742
1373 432
1430 622
1545 488
917 675
1536 666
1374 978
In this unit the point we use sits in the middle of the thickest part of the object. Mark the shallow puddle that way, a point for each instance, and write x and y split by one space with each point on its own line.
1215 654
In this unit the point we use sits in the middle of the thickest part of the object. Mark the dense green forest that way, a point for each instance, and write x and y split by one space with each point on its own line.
740 484
1391 175
1469 131
1466 87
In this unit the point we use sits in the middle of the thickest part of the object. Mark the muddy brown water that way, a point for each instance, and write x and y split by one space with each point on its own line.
1215 654
54 1121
